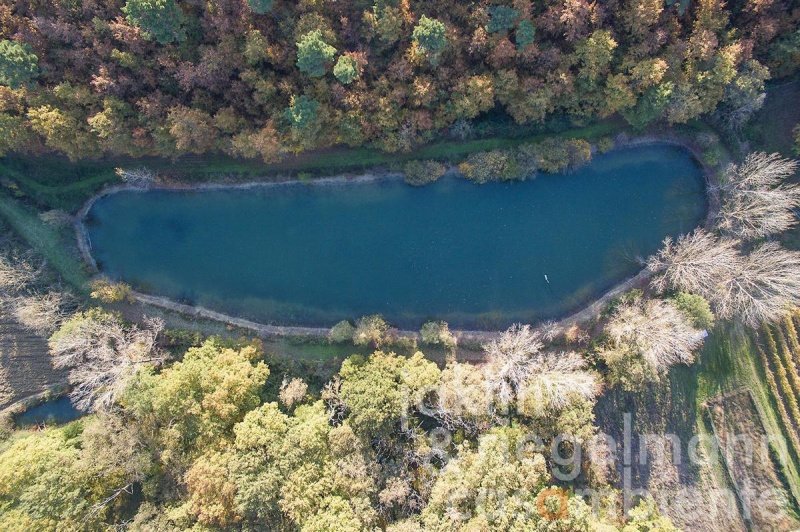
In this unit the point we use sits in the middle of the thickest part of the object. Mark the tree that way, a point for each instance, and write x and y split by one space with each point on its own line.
754 287
260 7
525 34
437 333
765 286
192 129
41 313
292 392
195 403
304 119
43 484
103 355
756 201
18 64
430 36
61 131
346 69
301 468
595 54
695 263
657 332
16 273
314 54
501 18
697 308
161 20
501 485
370 330
341 332
519 370
379 390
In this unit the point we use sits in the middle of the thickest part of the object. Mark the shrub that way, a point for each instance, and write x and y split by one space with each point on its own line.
796 132
341 332
437 333
696 309
370 330
605 144
419 173
496 165
556 155
109 292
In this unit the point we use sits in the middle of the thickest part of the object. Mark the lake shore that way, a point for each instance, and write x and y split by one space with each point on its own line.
585 314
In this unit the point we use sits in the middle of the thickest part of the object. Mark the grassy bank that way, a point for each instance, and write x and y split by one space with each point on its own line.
52 182
46 241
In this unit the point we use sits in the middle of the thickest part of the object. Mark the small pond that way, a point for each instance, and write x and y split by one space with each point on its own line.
54 411
473 255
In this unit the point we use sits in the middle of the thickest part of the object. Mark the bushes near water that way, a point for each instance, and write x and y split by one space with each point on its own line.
551 156
419 173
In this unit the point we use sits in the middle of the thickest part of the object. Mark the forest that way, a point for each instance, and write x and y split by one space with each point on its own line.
264 78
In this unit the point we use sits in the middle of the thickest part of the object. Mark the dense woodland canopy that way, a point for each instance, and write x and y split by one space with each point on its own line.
259 78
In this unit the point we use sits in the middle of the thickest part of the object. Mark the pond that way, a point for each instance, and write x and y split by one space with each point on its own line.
54 411
477 256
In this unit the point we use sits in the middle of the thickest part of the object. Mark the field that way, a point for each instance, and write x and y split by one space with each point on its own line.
749 462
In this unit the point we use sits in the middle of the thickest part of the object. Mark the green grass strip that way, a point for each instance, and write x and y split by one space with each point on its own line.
44 240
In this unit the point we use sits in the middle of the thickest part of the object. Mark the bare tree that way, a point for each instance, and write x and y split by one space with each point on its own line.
759 286
512 359
41 313
558 379
695 263
764 288
657 330
517 365
102 355
137 177
756 201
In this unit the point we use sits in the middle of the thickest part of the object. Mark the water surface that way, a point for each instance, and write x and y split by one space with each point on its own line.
54 411
474 255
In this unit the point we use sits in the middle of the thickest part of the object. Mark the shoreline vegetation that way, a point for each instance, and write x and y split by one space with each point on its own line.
583 314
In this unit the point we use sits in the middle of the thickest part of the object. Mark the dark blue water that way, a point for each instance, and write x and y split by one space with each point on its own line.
55 411
474 255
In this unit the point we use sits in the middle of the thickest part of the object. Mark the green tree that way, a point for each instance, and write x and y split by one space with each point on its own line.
501 18
162 20
260 6
196 402
346 69
377 390
697 308
303 115
430 36
314 54
525 34
18 64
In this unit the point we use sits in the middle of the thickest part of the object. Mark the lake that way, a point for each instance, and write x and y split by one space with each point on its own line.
473 255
